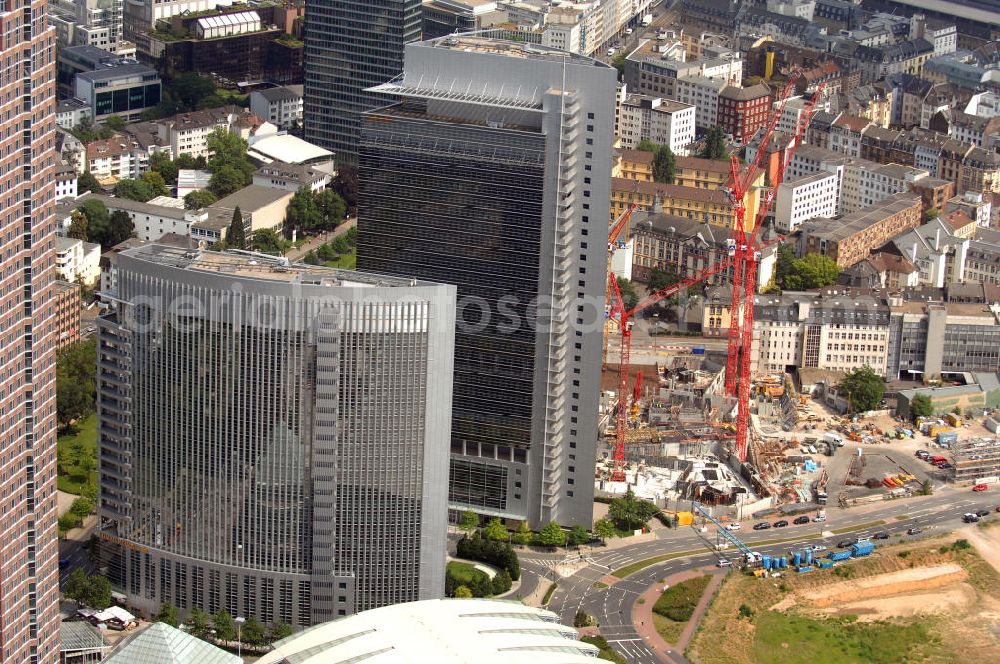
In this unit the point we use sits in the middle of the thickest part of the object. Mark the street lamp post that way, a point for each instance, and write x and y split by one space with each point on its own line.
239 635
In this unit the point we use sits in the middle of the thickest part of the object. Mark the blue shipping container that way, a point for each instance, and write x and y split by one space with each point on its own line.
698 350
804 568
862 549
841 555
826 564
947 437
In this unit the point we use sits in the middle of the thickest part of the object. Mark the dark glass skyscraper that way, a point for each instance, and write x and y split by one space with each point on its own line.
492 173
351 45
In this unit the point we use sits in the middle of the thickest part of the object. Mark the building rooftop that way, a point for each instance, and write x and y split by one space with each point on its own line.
287 148
77 634
701 164
443 631
737 93
162 644
637 156
251 198
261 266
281 93
109 72
839 229
485 42
112 202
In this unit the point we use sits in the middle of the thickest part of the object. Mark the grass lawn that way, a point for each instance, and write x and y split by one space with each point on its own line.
345 261
464 573
622 572
675 607
548 594
669 629
788 638
857 527
72 450
607 653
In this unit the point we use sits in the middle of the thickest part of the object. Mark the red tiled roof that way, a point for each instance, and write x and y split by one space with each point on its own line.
637 156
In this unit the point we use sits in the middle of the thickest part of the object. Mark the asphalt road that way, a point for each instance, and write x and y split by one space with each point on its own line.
612 607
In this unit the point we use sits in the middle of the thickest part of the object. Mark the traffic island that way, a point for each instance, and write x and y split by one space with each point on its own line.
672 632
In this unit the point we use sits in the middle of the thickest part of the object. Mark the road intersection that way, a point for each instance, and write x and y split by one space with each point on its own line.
613 606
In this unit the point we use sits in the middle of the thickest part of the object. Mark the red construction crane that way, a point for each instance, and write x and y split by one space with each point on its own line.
746 253
615 230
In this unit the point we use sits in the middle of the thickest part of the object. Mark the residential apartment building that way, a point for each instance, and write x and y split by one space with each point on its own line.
110 160
65 182
805 198
982 264
939 255
849 239
742 111
78 261
702 93
67 304
281 106
834 330
29 593
633 165
94 22
324 493
537 132
701 173
662 121
339 73
975 204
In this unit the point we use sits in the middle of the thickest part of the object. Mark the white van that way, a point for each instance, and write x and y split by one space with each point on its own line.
611 52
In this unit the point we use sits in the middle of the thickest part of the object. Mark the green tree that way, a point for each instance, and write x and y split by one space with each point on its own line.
114 123
268 241
77 226
468 521
661 278
957 410
76 365
136 190
226 180
228 149
98 594
646 145
156 182
198 199
198 622
120 228
931 214
715 144
82 507
302 212
225 628
332 207
618 62
98 220
577 535
167 614
631 513
926 488
87 182
236 235
630 297
496 531
817 271
604 529
253 633
864 389
921 406
346 186
311 258
523 534
552 535
186 89
162 164
463 592
664 164
279 631
76 584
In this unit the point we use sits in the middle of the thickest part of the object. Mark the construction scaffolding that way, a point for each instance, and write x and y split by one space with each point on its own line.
976 459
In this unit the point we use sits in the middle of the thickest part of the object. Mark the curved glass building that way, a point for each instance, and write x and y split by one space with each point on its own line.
274 438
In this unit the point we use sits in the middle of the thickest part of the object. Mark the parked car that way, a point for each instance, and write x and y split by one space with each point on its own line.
982 513
817 547
762 526
780 524
969 517
843 544
980 487
923 454
819 517
914 531
946 466
733 526
724 563
799 520
881 535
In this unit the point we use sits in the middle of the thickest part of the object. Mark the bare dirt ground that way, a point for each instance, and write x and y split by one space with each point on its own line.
987 543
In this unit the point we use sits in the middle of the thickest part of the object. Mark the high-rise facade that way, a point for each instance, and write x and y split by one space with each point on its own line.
273 437
351 45
29 592
492 173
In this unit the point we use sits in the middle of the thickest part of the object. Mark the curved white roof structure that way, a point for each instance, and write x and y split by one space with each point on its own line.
443 631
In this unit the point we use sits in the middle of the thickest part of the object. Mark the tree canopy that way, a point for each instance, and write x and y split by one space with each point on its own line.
631 513
811 271
346 186
135 189
468 521
715 144
630 297
236 235
921 406
552 535
496 531
604 529
76 365
93 590
269 242
196 200
864 389
87 182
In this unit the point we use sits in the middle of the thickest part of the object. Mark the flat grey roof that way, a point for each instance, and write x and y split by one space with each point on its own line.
118 71
838 229
252 198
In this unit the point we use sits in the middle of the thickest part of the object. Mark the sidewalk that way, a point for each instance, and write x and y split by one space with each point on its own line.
642 614
299 252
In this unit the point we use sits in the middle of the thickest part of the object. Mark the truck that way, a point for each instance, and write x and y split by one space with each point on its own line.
647 20
834 438
820 497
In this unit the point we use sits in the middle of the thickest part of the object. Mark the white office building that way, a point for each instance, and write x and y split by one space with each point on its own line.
805 198
663 121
